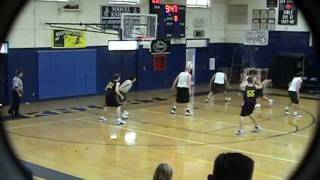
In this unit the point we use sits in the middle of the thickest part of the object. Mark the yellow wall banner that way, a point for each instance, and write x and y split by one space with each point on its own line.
69 39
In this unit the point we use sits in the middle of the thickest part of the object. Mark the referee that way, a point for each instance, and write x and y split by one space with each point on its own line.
17 93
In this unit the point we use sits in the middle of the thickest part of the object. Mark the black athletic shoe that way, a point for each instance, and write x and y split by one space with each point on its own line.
10 111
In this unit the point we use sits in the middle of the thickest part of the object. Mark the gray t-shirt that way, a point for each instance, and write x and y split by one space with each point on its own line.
17 83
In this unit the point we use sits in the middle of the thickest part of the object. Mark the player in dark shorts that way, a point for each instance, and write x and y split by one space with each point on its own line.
294 94
112 98
248 105
217 84
183 85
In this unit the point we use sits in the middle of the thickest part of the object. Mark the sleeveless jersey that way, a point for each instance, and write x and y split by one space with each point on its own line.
219 78
183 80
250 94
111 87
125 86
295 84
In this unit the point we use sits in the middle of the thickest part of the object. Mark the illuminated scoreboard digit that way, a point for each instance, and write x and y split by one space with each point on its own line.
171 19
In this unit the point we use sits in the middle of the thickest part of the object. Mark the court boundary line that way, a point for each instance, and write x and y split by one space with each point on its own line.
197 142
220 122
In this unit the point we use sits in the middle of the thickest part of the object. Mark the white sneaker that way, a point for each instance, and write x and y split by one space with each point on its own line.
239 132
207 100
295 114
271 101
173 111
286 108
102 118
257 106
300 116
124 116
257 129
227 99
126 113
120 122
287 112
189 114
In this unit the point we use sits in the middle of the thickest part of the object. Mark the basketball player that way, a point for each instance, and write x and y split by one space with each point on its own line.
112 98
183 84
248 105
293 91
124 89
260 94
218 84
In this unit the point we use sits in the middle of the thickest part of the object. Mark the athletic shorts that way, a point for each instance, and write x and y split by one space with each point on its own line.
293 97
217 88
259 93
125 98
247 108
112 100
183 95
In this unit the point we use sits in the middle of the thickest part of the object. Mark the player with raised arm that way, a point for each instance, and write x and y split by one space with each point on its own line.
249 98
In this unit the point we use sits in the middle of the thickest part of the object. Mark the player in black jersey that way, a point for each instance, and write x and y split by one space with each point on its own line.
112 97
249 98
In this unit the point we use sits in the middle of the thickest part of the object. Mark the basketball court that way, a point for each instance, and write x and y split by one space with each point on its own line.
74 142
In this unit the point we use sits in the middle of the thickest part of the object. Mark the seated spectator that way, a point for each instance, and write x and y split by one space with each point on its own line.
163 172
232 166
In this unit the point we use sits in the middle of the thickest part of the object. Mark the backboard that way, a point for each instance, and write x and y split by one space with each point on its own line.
138 26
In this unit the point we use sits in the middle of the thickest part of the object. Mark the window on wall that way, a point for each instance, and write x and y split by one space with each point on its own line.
198 3
133 2
238 14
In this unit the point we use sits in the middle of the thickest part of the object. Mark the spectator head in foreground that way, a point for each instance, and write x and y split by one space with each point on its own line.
232 166
163 172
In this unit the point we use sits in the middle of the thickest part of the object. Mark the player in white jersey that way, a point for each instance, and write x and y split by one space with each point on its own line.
183 85
293 91
217 84
124 89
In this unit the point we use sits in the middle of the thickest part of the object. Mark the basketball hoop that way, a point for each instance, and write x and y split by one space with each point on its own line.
139 27
145 41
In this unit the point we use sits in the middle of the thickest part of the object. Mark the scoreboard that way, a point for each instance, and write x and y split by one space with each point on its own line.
171 19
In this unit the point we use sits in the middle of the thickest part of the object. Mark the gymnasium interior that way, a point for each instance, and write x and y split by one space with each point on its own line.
68 51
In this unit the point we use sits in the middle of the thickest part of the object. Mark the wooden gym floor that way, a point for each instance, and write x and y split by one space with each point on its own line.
65 135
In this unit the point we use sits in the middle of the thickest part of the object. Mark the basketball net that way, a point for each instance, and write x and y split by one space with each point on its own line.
145 41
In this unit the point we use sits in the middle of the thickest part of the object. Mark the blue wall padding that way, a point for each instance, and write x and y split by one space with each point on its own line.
25 60
65 73
90 69
109 63
149 79
202 66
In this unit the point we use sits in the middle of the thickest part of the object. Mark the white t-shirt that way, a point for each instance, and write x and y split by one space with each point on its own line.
17 83
183 80
219 78
295 84
125 86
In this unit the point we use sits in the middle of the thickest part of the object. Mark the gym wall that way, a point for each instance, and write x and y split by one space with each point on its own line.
30 36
